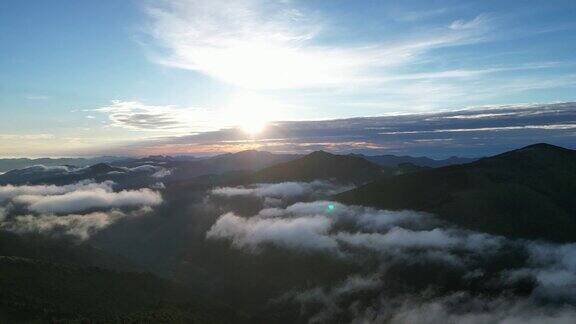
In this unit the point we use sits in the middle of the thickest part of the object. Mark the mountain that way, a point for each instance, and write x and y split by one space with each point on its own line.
322 165
394 160
44 279
21 163
138 172
59 174
525 193
41 291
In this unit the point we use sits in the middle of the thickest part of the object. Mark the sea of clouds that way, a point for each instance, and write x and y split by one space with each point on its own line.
485 270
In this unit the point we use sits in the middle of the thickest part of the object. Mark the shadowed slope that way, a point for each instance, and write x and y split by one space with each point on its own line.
526 193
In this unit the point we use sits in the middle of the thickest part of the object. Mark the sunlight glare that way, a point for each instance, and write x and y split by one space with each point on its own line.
251 113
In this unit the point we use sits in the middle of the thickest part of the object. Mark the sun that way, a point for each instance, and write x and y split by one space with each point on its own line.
251 113
254 127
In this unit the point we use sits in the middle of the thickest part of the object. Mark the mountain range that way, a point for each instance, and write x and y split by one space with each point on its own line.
525 193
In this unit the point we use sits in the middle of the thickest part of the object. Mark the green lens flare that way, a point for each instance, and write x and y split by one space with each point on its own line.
331 207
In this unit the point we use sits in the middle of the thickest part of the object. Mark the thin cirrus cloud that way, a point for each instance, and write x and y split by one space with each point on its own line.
259 45
263 46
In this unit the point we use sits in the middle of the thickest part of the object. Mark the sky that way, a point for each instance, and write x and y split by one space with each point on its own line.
437 78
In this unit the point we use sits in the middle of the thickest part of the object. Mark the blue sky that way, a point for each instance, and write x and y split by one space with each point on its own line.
119 77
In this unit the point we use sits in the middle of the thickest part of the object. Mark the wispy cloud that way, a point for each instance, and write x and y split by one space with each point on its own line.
478 21
26 136
276 47
258 45
139 116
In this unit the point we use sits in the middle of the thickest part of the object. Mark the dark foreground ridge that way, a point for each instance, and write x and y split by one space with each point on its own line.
525 193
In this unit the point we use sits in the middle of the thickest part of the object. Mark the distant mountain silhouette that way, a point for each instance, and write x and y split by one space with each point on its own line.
21 163
395 160
250 160
58 174
323 165
181 169
525 193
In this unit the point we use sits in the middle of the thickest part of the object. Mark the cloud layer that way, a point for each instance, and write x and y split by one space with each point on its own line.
391 247
283 190
88 199
470 132
69 209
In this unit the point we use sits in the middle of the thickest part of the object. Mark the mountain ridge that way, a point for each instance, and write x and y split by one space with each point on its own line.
523 193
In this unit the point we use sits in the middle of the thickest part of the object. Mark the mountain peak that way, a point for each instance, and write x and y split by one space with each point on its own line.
322 165
525 193
101 168
320 154
542 146
539 151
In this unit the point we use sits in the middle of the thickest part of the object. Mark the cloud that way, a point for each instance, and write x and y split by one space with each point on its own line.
69 209
403 63
263 45
282 190
465 309
399 237
366 228
478 21
306 233
460 276
81 227
136 115
88 199
163 173
26 137
473 131
10 191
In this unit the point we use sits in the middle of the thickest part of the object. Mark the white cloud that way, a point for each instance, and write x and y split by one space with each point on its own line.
52 205
282 190
305 233
87 199
136 115
258 45
478 21
317 226
10 191
478 310
81 227
77 197
399 237
26 137
383 243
